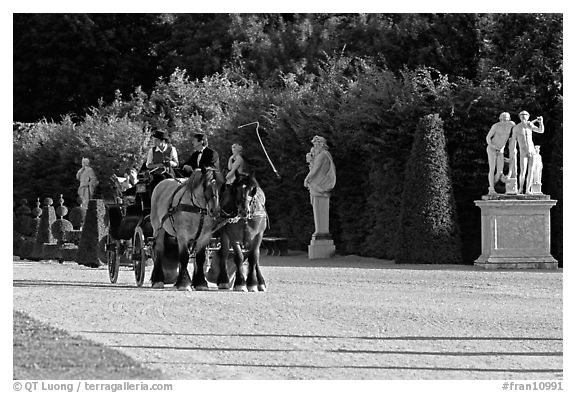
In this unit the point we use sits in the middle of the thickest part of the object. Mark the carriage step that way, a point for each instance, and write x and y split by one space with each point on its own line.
275 245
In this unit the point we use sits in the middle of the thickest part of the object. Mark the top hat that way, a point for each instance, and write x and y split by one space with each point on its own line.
200 136
160 135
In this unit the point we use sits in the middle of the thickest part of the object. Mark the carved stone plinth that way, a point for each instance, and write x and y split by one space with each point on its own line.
321 247
516 232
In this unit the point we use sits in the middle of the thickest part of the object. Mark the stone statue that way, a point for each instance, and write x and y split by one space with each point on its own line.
320 181
310 157
88 182
496 139
536 187
522 135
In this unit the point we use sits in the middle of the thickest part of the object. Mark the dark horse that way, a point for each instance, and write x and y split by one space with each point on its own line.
243 203
187 212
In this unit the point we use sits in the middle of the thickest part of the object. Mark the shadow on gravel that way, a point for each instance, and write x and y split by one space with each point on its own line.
347 351
71 284
353 366
306 336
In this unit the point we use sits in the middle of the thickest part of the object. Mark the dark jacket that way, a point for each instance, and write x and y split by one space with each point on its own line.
209 159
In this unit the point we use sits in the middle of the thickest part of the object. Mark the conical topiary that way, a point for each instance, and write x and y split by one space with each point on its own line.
23 212
23 209
27 246
61 226
429 231
44 231
22 226
77 215
94 231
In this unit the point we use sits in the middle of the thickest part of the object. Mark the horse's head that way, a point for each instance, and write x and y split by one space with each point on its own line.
205 190
243 190
212 184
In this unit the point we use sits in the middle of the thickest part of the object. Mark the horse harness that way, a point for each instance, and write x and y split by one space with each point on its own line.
184 207
257 206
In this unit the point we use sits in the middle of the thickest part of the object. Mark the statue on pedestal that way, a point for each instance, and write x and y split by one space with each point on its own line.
536 187
88 182
522 136
320 181
496 140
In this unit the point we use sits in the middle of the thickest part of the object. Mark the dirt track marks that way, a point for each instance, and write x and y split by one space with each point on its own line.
316 322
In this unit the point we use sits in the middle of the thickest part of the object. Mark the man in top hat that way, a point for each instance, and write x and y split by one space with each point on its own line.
522 135
203 156
162 155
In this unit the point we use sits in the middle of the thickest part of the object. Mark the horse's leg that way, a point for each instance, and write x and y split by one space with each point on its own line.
198 278
159 204
183 282
223 279
239 280
252 279
256 255
255 280
157 277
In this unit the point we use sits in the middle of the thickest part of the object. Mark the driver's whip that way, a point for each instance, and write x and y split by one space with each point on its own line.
262 144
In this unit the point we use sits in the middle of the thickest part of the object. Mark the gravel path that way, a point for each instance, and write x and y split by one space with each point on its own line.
344 318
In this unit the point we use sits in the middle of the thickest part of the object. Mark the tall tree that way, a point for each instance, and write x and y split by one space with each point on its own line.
428 231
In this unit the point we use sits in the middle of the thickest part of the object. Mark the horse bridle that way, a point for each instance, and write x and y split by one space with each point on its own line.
214 195
234 217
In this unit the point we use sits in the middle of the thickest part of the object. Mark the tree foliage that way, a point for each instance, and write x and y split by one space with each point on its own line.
362 81
428 230
64 63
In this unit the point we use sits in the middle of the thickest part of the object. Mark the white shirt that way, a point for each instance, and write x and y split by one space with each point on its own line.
200 156
173 155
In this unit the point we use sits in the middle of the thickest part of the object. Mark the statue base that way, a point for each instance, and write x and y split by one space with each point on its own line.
516 232
536 188
321 246
511 188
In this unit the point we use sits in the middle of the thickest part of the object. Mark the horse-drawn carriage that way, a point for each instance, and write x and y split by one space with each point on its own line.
168 225
128 242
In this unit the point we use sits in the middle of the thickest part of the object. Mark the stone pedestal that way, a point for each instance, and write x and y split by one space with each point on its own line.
321 245
516 232
536 188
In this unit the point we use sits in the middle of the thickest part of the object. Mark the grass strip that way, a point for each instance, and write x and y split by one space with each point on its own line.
44 352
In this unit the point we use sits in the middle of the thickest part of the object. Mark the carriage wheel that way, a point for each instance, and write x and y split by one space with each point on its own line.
112 258
139 256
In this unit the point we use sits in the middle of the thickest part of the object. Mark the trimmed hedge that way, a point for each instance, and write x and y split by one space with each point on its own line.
428 231
93 232
44 235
